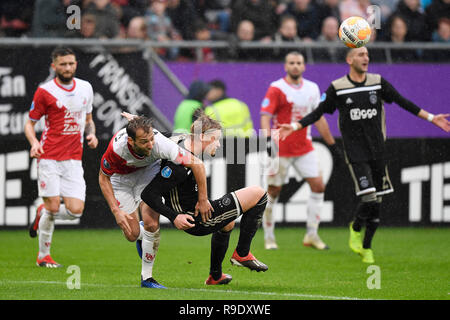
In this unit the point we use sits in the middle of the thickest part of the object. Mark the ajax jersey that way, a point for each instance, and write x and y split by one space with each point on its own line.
287 103
65 117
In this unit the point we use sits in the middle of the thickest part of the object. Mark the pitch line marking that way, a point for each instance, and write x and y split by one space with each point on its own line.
275 294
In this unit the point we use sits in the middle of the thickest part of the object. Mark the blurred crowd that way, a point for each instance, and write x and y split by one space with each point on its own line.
267 21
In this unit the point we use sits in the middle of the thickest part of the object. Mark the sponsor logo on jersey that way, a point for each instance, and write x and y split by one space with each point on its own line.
166 172
358 114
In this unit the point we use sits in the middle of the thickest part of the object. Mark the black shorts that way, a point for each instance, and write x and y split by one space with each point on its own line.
226 210
371 176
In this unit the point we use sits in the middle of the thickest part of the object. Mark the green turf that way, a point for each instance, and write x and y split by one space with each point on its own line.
414 263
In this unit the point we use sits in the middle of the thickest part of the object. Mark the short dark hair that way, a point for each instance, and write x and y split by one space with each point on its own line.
61 52
219 84
141 122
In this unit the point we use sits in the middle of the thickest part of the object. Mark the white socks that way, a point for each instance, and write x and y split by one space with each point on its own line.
150 245
268 218
47 226
313 208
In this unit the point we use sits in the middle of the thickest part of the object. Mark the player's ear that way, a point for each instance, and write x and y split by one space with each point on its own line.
131 141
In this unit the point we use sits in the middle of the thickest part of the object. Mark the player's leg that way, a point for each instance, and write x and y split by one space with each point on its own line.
368 206
219 246
307 166
150 245
275 182
49 190
253 201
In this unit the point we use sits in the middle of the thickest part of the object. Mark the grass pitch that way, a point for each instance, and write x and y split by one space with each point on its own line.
411 264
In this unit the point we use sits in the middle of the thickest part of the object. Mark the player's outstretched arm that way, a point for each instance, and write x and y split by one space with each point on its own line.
439 120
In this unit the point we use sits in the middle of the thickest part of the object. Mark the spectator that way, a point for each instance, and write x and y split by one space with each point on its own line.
245 32
307 15
184 114
137 29
415 19
259 12
436 10
106 16
160 27
87 27
183 15
329 8
216 12
49 18
387 7
349 8
233 114
16 17
130 9
286 33
442 34
398 30
329 34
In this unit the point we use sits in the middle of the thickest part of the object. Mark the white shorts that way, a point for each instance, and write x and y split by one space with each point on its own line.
61 178
307 166
128 187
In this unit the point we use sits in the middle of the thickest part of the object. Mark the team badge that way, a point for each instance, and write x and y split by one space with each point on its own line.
106 164
226 201
373 99
166 172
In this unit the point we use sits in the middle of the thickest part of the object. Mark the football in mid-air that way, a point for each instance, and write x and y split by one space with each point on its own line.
355 32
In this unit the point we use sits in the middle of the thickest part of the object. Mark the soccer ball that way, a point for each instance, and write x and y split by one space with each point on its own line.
355 32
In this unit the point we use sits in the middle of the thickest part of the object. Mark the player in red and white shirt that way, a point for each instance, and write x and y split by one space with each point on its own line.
129 164
66 104
288 100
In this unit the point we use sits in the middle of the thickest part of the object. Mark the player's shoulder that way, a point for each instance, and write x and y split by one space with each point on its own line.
342 83
373 79
310 84
280 83
83 84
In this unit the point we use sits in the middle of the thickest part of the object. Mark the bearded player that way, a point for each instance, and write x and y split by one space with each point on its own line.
66 104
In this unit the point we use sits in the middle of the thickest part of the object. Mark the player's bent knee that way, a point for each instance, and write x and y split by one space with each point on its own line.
228 227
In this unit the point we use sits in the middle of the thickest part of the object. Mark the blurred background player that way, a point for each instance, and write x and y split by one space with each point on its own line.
178 188
359 96
66 104
288 100
128 165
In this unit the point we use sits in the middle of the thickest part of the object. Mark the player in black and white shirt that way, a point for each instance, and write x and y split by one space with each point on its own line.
178 188
359 96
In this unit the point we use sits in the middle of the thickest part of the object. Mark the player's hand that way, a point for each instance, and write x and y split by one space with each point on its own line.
285 130
183 221
92 141
36 150
441 121
122 220
128 116
205 209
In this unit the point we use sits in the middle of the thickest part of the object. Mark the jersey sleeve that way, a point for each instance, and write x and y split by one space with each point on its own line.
39 105
90 102
270 102
169 176
390 94
111 162
327 105
167 149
